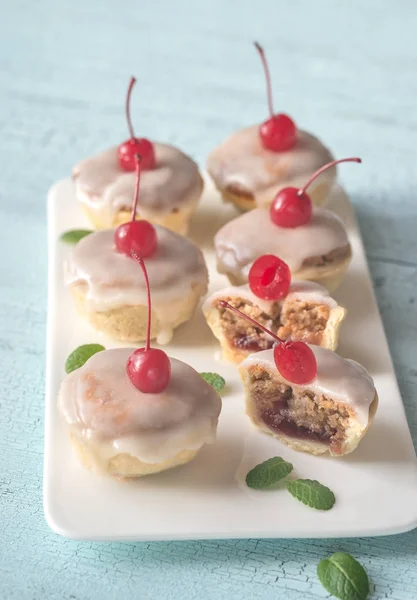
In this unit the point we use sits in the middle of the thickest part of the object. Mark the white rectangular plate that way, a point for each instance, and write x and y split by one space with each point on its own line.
375 487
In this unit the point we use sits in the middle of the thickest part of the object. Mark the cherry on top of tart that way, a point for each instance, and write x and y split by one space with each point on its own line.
295 361
292 207
269 277
279 132
133 146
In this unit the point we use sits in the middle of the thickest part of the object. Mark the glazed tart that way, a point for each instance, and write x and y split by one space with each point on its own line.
253 165
306 313
317 251
169 192
109 289
328 415
250 175
171 184
117 429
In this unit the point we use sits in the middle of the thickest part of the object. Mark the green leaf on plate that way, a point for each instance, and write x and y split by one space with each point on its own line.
80 355
343 577
73 236
312 493
215 380
268 474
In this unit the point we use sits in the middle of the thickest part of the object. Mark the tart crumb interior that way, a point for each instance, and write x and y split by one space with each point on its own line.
300 414
293 319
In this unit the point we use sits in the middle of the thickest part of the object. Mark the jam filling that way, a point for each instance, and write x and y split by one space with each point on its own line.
252 343
276 420
299 414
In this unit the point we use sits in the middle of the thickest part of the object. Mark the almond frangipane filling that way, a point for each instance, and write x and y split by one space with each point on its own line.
294 319
301 414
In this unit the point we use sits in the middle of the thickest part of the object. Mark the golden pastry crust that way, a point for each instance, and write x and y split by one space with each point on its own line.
245 201
326 337
178 220
353 431
129 323
124 465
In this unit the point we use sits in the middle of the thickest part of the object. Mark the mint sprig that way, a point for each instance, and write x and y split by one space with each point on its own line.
215 380
267 474
73 236
80 355
343 577
312 493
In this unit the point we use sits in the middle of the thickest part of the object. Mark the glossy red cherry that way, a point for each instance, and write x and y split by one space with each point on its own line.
269 277
141 146
149 369
295 361
136 238
292 207
279 132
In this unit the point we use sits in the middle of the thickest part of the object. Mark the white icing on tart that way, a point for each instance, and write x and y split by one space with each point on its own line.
103 408
113 279
243 164
103 186
244 239
340 379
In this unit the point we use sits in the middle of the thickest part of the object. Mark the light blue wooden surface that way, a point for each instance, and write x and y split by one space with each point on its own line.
346 71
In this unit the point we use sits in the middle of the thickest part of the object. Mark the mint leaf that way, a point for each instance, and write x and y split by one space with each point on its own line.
312 493
73 236
80 355
343 577
215 380
268 473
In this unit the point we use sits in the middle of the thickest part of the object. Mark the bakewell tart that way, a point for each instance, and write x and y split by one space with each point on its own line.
133 413
251 166
305 313
170 189
328 415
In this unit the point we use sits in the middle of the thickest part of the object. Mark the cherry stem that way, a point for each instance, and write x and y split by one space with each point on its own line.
148 292
267 77
138 159
225 304
129 93
324 168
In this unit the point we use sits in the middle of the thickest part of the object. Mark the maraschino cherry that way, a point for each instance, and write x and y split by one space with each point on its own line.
136 238
279 132
292 207
269 277
149 369
130 148
294 360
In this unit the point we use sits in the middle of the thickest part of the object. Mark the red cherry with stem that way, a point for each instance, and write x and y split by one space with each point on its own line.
269 277
149 369
292 207
295 361
130 148
279 132
136 237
